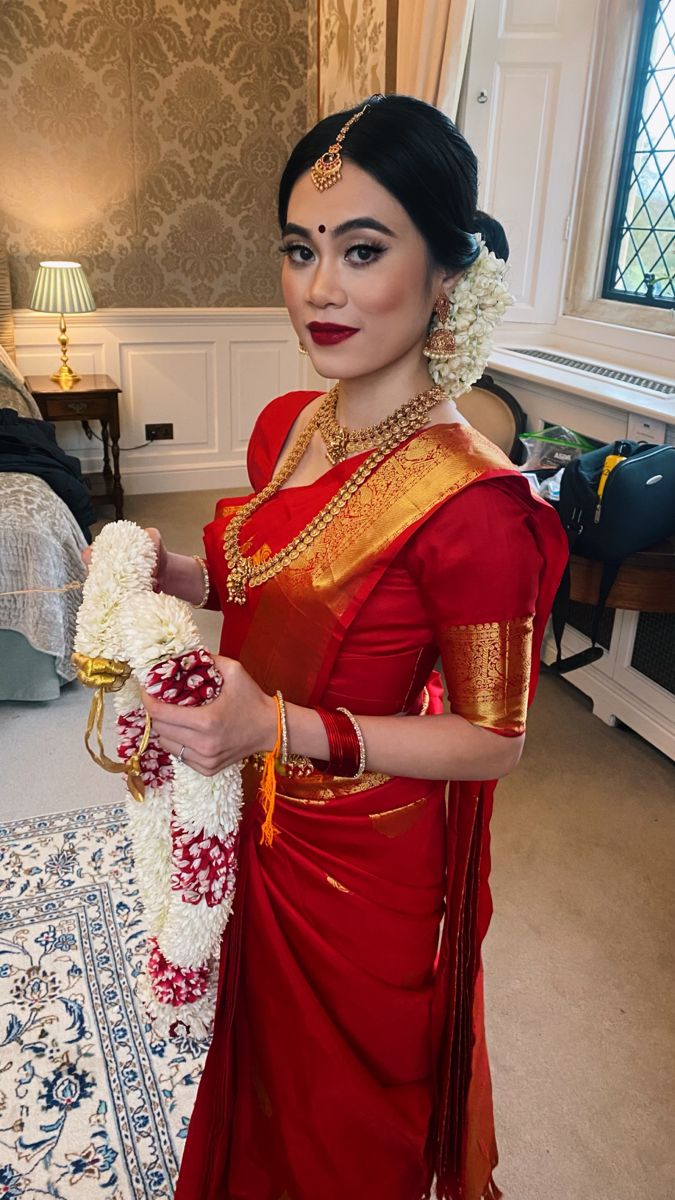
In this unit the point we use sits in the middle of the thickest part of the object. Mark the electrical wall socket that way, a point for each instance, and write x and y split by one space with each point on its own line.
645 429
159 433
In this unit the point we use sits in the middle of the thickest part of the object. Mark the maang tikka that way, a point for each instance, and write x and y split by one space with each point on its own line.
328 169
440 343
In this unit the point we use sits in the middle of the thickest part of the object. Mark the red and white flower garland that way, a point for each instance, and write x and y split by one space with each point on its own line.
185 832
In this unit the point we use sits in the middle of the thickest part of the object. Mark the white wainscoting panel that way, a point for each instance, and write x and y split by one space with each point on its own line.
207 371
175 384
45 359
255 372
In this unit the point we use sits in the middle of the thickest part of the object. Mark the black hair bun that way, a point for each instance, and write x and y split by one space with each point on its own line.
492 233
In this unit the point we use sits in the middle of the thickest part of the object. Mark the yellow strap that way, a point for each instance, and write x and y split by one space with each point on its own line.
109 675
133 765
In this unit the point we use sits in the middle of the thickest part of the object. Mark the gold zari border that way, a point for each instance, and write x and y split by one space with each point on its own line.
487 671
319 789
315 788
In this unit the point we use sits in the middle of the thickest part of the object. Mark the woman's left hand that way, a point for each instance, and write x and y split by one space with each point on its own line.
241 721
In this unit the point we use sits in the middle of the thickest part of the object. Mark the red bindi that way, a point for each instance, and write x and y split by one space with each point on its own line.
322 228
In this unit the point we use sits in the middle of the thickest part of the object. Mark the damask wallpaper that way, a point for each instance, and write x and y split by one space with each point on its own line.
146 138
357 51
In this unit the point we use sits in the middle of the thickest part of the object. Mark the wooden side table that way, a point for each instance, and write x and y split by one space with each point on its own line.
94 398
645 583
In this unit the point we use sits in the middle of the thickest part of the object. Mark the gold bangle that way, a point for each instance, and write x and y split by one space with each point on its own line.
201 563
359 738
283 750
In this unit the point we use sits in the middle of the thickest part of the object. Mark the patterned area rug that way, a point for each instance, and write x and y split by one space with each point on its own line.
91 1104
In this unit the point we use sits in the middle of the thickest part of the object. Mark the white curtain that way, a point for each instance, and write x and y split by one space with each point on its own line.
433 42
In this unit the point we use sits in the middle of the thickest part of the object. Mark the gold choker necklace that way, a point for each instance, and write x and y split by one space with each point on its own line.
407 419
246 571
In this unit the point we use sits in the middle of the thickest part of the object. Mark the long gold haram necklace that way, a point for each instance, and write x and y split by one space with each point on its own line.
247 571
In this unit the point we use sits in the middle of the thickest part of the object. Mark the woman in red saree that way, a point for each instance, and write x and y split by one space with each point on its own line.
348 1059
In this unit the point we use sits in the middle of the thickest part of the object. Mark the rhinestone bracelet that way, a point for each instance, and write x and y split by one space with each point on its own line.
359 737
201 563
283 750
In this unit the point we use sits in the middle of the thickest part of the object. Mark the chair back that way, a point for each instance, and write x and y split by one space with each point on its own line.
495 413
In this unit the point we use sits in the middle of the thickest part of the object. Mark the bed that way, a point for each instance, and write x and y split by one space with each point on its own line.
40 547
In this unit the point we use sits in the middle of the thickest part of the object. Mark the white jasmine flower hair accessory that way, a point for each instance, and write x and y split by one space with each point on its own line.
476 306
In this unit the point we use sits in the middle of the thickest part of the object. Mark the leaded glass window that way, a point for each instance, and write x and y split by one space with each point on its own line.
641 256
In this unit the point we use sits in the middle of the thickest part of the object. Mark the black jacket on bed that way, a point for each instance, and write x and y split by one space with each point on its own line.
30 448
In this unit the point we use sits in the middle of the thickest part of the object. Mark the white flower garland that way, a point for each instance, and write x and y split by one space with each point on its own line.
477 304
184 834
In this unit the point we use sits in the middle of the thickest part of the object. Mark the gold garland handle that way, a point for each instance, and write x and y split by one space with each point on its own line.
110 675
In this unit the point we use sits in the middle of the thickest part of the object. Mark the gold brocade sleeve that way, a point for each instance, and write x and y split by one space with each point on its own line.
487 672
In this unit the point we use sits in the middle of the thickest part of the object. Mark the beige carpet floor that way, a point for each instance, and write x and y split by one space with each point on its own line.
580 965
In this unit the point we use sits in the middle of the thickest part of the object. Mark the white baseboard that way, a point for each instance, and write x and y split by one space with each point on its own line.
225 475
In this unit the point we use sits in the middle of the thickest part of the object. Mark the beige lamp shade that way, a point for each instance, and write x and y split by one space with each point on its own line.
61 287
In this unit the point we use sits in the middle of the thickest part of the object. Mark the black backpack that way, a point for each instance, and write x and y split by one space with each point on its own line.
636 510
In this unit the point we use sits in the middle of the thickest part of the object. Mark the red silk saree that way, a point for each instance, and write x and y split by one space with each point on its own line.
348 1060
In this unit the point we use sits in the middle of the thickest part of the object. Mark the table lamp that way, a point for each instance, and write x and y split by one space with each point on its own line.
61 287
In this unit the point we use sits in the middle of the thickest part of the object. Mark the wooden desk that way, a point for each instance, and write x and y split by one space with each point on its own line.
94 398
645 583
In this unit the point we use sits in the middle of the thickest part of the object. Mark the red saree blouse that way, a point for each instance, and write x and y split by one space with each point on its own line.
348 1059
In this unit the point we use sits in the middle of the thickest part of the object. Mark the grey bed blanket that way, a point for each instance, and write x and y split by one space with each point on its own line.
40 544
14 394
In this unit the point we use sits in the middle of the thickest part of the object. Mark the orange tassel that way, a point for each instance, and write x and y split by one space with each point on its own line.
267 789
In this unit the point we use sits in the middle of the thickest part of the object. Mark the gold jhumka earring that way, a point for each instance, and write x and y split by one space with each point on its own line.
440 344
302 349
328 169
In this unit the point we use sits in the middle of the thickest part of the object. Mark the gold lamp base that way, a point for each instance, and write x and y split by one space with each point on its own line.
65 376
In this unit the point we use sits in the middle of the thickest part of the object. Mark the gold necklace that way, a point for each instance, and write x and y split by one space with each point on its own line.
245 571
407 419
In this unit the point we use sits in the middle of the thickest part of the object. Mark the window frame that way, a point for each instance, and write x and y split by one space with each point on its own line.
614 54
633 119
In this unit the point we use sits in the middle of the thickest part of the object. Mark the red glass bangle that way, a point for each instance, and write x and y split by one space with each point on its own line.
344 751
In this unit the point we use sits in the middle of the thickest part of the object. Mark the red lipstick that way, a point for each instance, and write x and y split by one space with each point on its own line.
326 333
